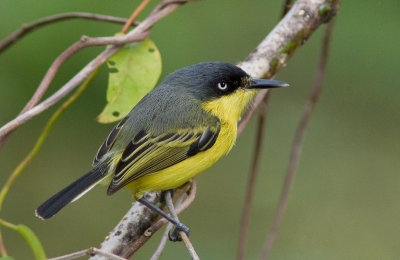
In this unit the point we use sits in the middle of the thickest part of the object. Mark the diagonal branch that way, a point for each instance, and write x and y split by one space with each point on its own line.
292 32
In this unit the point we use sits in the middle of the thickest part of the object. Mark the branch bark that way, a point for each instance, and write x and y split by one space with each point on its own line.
292 32
271 55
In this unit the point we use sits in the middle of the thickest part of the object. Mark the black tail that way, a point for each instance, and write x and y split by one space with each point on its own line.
69 194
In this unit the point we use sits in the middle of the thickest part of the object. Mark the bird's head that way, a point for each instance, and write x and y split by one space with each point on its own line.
222 88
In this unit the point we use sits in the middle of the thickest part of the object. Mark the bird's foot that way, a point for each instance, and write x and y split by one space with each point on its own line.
175 236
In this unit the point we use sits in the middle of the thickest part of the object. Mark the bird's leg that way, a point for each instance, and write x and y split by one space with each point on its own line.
174 236
173 218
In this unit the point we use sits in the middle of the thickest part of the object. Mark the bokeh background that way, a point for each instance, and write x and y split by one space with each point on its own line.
345 201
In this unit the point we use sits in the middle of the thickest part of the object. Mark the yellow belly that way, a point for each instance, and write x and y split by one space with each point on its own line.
180 173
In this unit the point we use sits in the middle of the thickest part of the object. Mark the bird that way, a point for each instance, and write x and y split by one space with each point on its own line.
179 129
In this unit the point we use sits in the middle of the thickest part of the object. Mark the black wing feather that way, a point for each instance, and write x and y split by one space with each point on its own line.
108 143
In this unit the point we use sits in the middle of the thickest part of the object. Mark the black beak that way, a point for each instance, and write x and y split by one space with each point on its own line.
267 83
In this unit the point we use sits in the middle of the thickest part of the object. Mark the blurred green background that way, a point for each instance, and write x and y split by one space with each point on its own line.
345 202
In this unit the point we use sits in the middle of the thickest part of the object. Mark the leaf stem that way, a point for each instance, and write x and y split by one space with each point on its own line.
8 224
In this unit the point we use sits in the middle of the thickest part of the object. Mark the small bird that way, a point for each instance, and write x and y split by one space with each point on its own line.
179 129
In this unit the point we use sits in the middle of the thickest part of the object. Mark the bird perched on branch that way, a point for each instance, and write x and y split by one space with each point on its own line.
176 131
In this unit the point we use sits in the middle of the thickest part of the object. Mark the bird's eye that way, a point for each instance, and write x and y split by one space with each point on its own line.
222 85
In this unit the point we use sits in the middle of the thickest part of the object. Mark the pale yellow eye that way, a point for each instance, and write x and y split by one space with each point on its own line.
222 85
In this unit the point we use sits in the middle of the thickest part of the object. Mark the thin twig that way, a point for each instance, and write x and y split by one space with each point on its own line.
134 15
249 114
26 28
163 242
88 252
245 218
164 237
137 34
298 141
189 245
109 256
185 238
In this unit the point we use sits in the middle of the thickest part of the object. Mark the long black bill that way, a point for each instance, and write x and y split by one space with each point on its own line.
267 83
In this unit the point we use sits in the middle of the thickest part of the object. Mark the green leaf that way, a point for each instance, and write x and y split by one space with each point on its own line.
7 258
33 241
133 72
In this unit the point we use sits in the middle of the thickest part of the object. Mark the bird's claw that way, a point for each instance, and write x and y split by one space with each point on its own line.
175 236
